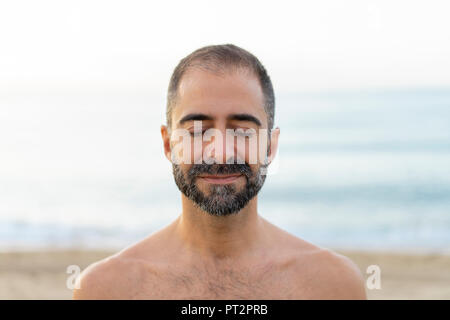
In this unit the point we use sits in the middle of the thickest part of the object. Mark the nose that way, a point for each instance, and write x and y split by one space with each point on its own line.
222 146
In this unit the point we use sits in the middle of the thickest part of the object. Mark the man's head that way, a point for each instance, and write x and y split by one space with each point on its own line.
224 89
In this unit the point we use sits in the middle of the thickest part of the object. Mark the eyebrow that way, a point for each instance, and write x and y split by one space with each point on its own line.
194 116
236 116
245 117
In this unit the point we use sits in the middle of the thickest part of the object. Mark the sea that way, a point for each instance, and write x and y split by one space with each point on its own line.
356 169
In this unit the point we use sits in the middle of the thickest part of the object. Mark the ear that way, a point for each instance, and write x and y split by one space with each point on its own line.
166 142
273 147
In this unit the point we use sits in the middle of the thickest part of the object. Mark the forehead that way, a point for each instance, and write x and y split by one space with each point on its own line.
219 95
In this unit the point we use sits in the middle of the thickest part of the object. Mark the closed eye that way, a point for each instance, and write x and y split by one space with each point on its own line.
197 133
241 132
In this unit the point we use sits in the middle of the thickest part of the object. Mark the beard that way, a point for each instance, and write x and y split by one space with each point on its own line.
222 199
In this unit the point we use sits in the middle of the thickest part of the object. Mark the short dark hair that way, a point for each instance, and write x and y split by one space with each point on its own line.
219 58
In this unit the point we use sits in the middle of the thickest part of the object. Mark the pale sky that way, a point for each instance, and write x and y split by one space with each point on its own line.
133 46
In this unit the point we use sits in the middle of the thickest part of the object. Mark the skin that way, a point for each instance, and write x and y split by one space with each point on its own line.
240 256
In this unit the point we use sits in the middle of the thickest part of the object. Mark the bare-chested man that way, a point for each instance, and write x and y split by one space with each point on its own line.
220 247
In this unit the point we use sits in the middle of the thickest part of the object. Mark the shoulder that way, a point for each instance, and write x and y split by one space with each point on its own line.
115 277
96 281
127 274
319 273
332 275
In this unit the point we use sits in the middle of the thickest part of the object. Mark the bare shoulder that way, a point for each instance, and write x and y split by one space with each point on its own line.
122 275
115 277
337 277
328 275
99 280
322 273
94 280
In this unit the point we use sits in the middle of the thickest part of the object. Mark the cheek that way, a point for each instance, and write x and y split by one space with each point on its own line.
184 168
255 169
197 147
186 151
253 150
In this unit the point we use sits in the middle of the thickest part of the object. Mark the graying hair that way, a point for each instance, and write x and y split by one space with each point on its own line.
218 59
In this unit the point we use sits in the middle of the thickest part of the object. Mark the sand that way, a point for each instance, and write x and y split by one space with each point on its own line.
42 274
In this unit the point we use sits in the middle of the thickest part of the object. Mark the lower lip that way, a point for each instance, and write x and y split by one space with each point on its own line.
221 180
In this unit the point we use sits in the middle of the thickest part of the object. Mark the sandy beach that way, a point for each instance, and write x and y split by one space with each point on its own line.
42 274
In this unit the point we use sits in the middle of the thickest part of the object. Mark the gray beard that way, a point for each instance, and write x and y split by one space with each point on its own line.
223 200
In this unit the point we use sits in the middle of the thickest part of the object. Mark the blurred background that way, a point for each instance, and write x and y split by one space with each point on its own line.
362 100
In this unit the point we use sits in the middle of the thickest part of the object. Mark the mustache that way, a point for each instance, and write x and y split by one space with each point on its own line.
212 169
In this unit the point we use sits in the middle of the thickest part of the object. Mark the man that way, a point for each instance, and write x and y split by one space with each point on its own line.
219 247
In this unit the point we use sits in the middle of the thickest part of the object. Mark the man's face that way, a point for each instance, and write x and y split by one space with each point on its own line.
219 174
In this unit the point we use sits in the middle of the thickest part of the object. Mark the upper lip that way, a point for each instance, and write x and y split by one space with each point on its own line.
220 176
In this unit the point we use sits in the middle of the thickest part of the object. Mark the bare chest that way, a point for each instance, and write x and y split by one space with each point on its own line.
263 282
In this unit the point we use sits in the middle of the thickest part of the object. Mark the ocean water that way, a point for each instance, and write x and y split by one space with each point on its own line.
357 170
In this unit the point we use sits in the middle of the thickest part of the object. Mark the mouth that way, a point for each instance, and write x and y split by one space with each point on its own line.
220 178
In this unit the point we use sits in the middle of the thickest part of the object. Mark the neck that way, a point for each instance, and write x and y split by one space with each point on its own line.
219 236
